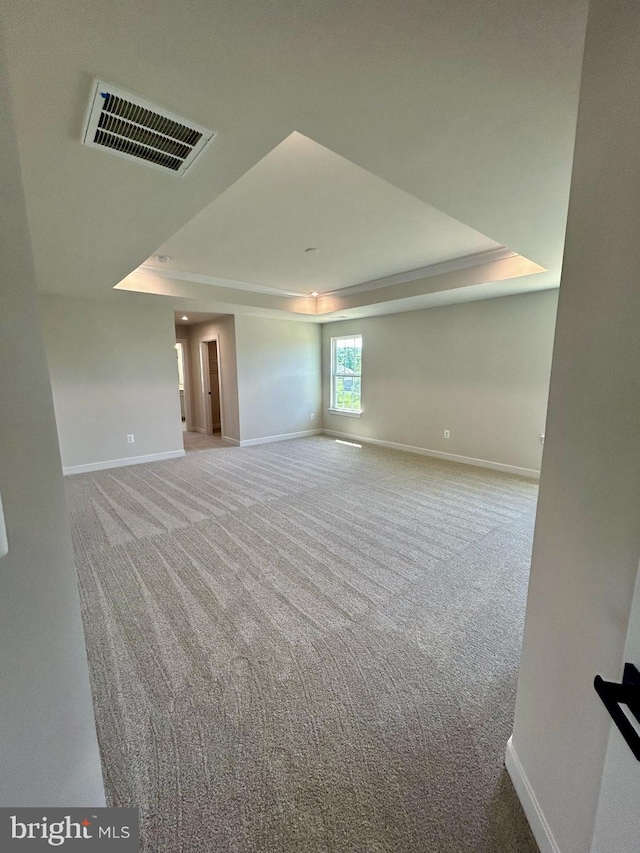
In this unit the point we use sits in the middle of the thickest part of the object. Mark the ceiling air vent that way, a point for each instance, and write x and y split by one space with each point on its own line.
130 127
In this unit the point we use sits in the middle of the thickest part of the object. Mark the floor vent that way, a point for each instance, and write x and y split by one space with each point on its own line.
130 127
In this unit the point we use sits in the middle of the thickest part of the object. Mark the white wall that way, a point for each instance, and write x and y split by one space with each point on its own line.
279 385
223 330
113 372
48 747
479 369
618 816
587 540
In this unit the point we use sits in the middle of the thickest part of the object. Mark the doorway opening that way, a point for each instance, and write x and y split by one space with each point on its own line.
214 389
211 385
183 383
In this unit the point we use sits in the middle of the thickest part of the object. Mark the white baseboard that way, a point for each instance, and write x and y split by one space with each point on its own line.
120 463
531 807
438 454
227 440
249 442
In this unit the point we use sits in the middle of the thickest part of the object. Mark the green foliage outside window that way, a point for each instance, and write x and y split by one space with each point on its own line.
346 370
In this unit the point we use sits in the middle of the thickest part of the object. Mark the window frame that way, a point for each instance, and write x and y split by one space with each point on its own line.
334 409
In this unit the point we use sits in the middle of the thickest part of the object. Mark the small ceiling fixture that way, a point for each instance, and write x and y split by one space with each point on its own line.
162 258
184 318
310 250
314 293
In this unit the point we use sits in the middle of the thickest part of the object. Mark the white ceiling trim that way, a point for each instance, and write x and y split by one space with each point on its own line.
200 278
425 272
398 278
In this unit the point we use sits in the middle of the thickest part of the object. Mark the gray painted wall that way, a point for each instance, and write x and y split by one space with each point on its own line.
279 384
480 369
222 328
587 540
48 748
113 372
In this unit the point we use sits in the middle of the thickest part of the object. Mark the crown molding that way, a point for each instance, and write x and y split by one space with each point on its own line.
199 278
426 272
375 284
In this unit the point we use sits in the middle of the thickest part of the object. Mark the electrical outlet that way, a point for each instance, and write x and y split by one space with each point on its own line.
131 438
313 416
447 433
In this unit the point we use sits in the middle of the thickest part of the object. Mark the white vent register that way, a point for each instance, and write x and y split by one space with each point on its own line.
125 125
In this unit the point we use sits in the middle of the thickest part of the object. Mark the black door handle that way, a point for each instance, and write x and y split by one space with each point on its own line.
628 693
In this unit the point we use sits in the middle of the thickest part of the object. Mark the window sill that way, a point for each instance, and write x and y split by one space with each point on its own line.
347 413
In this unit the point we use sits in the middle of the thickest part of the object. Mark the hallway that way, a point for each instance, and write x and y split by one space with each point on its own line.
200 441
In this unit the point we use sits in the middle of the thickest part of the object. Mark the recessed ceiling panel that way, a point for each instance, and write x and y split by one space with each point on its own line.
302 196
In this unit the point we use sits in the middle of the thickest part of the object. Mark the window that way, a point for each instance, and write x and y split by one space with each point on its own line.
180 355
346 375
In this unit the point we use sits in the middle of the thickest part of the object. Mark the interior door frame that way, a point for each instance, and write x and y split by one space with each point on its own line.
205 383
186 370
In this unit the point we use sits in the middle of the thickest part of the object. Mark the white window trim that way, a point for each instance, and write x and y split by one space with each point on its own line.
348 413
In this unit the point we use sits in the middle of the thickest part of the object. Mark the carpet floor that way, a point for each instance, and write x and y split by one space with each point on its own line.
306 646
